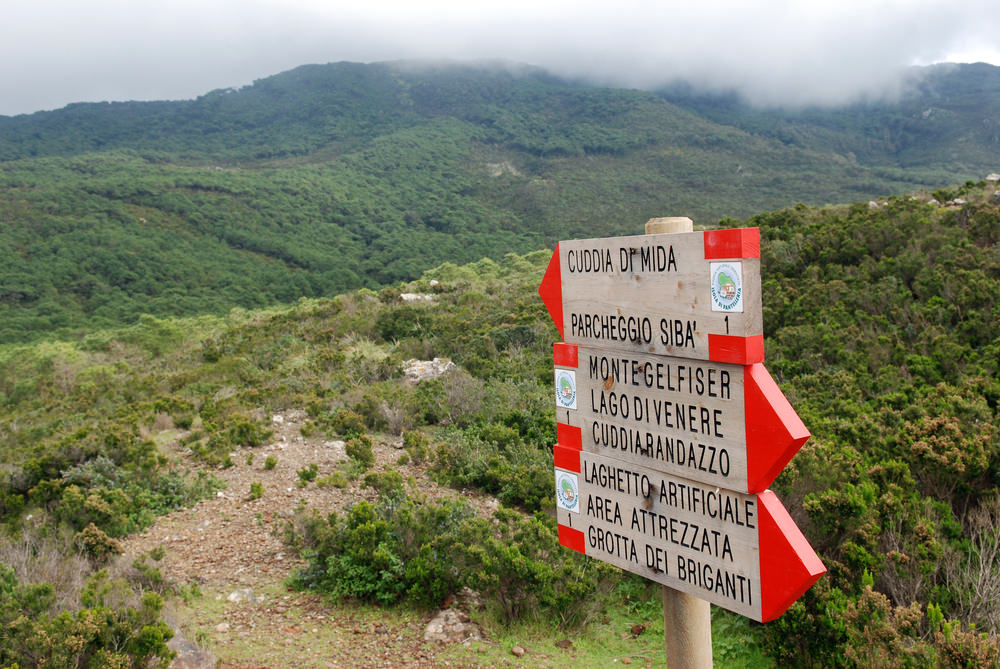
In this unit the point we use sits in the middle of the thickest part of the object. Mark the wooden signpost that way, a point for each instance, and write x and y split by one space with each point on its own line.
670 429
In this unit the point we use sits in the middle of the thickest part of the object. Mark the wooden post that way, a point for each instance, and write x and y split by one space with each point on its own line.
687 620
669 225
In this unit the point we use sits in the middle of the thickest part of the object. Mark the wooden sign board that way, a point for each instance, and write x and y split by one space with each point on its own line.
741 552
689 295
722 424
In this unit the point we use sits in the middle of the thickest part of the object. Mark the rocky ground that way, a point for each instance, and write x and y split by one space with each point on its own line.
227 558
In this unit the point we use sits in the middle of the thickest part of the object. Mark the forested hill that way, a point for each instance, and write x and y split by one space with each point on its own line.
945 119
331 177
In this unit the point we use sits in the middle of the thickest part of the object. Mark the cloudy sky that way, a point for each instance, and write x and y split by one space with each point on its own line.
779 52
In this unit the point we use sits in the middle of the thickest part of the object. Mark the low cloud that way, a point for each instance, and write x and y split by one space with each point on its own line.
776 53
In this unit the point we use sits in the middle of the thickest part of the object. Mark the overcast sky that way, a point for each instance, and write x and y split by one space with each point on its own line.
54 52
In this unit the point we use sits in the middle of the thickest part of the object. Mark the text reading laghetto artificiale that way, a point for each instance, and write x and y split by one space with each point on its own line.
650 536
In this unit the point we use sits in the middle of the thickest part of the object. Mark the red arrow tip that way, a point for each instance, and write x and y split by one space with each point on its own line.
788 564
550 291
775 433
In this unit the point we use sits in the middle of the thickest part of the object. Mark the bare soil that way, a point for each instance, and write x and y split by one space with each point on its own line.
230 546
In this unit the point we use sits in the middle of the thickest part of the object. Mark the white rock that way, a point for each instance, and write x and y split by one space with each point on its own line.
242 595
451 626
416 297
425 370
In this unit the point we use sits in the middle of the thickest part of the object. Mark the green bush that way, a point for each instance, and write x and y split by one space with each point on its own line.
388 483
244 432
494 458
397 550
334 479
400 322
343 422
379 553
107 631
370 409
147 575
97 545
180 409
417 446
307 474
359 450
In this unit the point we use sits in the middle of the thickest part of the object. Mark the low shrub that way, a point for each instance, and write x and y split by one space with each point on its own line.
307 474
360 450
495 459
417 446
395 549
388 484
97 545
343 422
334 479
112 628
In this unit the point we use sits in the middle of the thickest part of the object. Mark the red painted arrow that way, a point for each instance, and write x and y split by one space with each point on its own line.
788 564
550 291
774 432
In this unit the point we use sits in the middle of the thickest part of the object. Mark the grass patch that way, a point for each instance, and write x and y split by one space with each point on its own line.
289 628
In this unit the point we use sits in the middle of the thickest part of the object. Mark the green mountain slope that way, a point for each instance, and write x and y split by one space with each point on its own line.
945 118
331 177
881 328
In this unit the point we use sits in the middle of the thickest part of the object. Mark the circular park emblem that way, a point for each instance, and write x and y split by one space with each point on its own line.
727 286
568 491
565 389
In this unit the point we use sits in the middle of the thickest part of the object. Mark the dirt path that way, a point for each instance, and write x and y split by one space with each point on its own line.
229 547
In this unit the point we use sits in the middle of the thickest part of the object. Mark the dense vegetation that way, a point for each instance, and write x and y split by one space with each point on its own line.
940 120
881 327
329 178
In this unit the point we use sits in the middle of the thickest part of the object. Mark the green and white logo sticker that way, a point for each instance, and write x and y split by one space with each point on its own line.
727 286
565 389
567 491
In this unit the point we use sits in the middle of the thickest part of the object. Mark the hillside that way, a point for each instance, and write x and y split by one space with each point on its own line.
881 327
332 177
943 119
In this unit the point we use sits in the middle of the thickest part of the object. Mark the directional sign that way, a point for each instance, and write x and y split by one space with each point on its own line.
741 552
722 424
669 428
689 295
